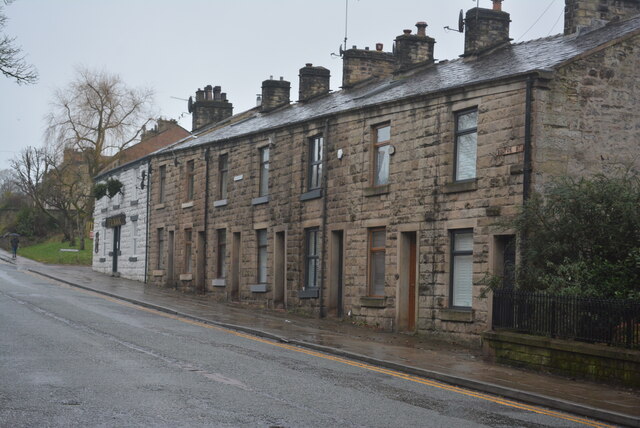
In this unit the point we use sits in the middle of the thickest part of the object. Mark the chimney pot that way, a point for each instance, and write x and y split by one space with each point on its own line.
210 106
366 48
407 32
497 4
308 64
422 28
379 47
354 47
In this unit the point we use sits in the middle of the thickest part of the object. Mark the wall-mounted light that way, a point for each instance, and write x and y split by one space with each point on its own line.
142 178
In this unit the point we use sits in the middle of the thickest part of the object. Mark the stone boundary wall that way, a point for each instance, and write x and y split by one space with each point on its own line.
598 363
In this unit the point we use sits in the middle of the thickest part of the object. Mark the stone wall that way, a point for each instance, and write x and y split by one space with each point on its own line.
588 119
567 358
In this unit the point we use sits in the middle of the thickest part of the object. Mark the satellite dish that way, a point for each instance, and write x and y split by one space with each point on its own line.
190 105
460 22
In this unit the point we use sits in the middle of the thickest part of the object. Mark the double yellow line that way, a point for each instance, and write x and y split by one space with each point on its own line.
394 373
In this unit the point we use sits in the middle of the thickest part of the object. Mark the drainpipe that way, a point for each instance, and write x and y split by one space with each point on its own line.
206 207
526 179
146 244
325 235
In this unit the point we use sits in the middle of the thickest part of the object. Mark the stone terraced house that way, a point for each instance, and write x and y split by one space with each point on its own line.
120 223
383 201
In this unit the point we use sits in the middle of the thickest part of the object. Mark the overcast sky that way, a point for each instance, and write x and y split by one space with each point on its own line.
178 46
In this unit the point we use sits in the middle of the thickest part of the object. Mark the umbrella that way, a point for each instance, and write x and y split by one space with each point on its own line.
7 235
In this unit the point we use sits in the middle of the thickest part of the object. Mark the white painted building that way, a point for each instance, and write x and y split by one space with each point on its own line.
120 223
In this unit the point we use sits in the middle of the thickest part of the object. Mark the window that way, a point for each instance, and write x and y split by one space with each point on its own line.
190 179
162 183
160 264
461 268
466 144
134 234
264 171
315 163
136 183
221 266
188 236
223 168
381 152
312 258
376 261
262 255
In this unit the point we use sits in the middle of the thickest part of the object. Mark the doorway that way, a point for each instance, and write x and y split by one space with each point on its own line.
336 273
408 270
200 263
235 266
170 259
279 272
116 249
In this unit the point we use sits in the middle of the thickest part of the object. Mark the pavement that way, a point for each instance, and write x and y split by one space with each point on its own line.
416 355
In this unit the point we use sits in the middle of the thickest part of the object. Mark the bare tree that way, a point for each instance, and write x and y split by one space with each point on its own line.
92 120
98 115
12 60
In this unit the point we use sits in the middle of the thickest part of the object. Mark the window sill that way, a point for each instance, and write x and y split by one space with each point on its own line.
377 190
373 302
311 194
220 203
102 260
461 186
260 200
115 207
258 288
186 276
159 206
187 204
219 282
157 272
103 210
309 293
456 315
134 217
133 259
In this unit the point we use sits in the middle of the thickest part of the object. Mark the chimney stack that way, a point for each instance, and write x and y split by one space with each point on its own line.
413 49
275 93
587 13
485 29
314 81
210 106
359 65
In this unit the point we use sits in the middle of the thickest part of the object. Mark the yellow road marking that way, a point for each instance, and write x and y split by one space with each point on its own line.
353 363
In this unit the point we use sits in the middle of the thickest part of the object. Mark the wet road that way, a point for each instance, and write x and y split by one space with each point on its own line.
74 358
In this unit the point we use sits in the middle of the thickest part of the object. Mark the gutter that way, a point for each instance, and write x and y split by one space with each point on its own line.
206 207
146 252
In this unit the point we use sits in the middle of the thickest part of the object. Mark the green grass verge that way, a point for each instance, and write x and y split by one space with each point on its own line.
49 252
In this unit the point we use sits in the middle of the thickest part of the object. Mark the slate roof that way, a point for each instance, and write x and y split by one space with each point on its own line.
544 54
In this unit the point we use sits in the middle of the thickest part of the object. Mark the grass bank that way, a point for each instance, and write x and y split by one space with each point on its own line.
50 252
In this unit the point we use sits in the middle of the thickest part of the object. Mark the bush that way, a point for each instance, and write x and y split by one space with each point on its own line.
582 238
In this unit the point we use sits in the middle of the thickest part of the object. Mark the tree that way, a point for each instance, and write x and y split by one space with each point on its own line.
12 61
582 237
31 176
92 120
